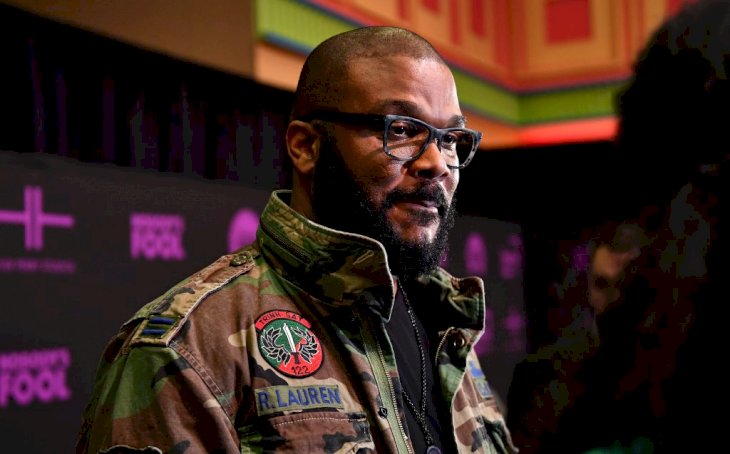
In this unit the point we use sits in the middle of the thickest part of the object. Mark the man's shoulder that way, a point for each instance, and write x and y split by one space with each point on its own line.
159 321
466 284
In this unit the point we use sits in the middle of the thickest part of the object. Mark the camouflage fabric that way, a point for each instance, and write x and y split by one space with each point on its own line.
281 347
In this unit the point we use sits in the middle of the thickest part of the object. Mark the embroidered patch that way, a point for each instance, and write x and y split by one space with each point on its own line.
286 398
158 325
287 343
480 381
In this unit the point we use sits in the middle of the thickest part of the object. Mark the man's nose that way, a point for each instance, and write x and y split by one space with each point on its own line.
432 162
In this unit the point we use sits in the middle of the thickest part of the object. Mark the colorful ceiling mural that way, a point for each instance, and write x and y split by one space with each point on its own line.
528 72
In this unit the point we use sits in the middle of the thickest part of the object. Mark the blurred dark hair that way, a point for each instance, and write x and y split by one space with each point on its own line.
675 113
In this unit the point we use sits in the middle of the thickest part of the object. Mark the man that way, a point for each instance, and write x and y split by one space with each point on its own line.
335 331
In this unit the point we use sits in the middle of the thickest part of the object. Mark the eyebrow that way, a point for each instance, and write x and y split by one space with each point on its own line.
410 109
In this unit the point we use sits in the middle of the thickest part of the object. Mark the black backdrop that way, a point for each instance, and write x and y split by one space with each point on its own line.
81 247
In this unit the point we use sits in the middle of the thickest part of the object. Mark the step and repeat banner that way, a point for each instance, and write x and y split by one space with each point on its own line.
82 246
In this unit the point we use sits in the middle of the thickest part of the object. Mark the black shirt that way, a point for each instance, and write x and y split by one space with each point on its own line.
407 356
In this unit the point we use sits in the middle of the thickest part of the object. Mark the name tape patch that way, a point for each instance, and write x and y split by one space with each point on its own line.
273 399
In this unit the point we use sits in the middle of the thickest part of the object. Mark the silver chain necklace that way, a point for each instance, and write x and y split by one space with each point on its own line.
419 413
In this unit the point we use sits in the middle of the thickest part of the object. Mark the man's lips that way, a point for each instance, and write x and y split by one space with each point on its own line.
423 199
420 205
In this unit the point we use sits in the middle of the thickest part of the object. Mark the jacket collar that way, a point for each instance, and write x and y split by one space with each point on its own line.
337 267
341 268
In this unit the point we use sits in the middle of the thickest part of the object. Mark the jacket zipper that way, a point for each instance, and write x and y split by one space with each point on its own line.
441 344
440 347
383 379
292 248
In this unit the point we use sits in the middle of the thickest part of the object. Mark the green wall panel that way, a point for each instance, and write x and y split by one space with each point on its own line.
489 100
296 22
569 104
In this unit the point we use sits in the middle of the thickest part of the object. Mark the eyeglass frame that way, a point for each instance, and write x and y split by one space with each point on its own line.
351 118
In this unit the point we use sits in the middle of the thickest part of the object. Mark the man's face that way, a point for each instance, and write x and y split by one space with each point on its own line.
408 206
608 276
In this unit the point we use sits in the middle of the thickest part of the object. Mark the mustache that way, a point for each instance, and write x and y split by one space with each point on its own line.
431 193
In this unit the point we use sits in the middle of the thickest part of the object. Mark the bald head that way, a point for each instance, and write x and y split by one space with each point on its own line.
322 80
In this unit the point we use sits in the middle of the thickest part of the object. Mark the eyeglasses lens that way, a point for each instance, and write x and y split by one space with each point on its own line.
406 138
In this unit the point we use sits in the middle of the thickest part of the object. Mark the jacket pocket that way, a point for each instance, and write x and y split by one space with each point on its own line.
309 432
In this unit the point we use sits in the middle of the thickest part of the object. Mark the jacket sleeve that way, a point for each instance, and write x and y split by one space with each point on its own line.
151 399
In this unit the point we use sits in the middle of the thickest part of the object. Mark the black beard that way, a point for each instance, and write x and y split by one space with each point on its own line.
339 202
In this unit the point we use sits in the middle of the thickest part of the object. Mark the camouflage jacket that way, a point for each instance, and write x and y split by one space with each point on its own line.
281 347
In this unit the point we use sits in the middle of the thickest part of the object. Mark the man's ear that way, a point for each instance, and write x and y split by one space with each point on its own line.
302 143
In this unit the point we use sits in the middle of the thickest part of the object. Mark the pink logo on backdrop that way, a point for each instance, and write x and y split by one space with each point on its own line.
156 236
510 258
514 324
36 375
475 254
34 219
242 229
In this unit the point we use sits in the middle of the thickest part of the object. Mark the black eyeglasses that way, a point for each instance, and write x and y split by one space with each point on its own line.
406 138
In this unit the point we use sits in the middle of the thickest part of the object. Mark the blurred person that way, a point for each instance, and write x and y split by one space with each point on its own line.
336 330
561 398
641 373
675 115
